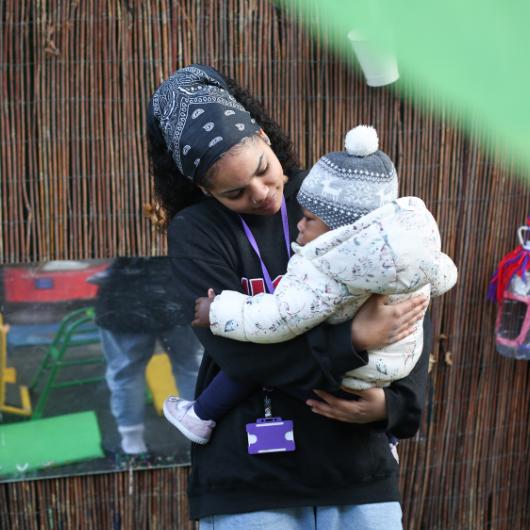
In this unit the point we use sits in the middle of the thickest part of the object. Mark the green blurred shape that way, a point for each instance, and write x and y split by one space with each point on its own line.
40 444
472 56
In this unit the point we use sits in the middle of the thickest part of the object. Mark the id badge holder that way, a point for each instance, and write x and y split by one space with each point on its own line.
270 434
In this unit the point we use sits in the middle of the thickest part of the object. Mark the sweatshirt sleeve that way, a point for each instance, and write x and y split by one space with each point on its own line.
197 265
405 398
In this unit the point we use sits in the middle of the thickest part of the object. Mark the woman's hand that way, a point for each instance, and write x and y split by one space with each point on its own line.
202 310
378 323
370 407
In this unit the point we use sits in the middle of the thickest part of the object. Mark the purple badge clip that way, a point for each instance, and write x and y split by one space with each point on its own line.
270 435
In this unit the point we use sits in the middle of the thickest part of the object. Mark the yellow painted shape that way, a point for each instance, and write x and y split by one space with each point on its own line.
25 399
3 359
160 380
9 375
25 410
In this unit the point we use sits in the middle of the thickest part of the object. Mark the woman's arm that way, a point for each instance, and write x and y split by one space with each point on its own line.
396 409
289 363
405 398
202 257
378 324
199 262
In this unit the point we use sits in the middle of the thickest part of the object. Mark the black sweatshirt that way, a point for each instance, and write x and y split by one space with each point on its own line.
334 462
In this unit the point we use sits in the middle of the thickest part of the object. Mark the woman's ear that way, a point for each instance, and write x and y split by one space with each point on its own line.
263 135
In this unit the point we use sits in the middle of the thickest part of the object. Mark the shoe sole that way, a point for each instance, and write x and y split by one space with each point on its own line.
188 434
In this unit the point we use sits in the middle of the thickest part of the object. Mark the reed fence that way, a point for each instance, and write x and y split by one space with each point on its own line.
76 77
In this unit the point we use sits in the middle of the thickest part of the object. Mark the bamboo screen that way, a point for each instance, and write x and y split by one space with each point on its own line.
76 77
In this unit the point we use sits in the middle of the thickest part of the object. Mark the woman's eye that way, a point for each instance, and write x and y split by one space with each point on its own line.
263 170
235 195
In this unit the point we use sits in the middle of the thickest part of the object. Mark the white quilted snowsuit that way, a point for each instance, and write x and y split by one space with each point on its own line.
394 250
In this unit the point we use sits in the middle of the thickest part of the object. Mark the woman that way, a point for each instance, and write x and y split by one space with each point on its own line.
218 160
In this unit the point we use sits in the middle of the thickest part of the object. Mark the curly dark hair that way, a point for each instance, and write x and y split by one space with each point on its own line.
174 191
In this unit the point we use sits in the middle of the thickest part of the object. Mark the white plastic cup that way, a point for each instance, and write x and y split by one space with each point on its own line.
379 68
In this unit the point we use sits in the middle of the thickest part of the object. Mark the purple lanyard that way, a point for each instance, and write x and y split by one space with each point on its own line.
254 244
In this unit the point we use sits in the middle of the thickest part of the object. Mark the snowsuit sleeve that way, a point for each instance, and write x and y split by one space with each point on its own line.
304 298
444 276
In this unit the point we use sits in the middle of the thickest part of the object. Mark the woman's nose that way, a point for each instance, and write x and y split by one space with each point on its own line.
300 225
259 192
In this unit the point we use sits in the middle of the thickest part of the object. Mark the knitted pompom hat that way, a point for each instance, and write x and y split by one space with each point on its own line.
343 186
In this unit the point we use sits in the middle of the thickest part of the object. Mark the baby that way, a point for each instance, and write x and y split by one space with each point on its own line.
356 238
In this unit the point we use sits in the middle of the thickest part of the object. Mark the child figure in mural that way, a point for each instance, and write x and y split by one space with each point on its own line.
136 306
356 238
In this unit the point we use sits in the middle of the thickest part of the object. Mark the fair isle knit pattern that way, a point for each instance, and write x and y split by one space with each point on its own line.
341 188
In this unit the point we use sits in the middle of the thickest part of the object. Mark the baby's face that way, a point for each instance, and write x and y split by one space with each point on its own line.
310 227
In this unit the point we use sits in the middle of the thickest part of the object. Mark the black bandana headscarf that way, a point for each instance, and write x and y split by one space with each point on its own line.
199 118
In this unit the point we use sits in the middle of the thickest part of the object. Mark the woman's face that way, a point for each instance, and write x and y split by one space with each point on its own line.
249 179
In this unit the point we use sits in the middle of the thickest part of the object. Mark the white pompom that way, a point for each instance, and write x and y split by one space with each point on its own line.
362 141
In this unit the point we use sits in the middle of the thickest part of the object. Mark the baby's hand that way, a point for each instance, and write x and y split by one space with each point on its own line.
202 310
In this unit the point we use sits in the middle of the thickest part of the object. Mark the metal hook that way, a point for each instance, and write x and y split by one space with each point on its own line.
525 243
